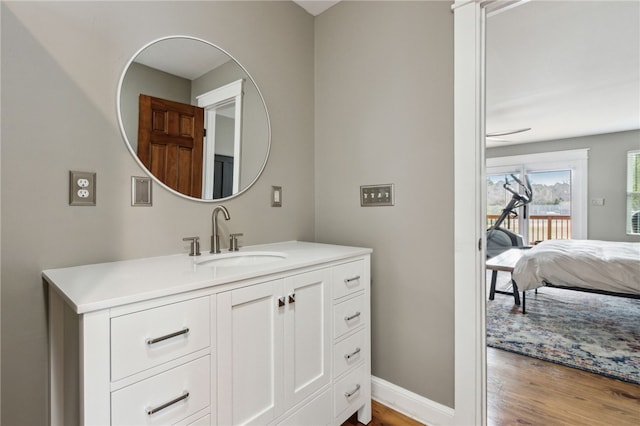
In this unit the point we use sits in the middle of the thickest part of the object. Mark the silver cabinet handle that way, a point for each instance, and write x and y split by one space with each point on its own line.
292 298
352 354
151 411
168 336
350 280
349 318
350 394
281 301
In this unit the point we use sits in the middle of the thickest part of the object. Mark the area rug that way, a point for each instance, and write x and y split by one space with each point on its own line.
595 333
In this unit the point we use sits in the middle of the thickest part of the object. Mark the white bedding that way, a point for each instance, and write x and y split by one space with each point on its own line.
590 264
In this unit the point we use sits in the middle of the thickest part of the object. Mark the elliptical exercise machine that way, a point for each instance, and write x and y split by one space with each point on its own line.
501 239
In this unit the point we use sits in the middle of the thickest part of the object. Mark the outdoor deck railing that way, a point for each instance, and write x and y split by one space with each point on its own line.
541 227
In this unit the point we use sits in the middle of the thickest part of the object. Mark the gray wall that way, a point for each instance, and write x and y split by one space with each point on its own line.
607 177
60 68
384 114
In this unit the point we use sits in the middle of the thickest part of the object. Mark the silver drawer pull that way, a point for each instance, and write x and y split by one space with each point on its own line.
292 298
151 411
168 336
352 354
281 301
350 280
349 318
350 394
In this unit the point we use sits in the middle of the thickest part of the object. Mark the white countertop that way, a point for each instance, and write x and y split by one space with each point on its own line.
90 288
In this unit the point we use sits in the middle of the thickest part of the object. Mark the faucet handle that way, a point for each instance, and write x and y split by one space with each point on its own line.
233 241
195 245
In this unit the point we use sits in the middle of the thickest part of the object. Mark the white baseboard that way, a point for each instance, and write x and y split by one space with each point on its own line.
410 404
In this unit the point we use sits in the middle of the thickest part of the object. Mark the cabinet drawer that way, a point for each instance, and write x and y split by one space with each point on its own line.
316 412
348 353
134 404
349 392
202 421
152 337
348 278
348 315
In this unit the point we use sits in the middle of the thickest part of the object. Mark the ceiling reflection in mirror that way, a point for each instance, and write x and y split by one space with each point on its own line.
194 118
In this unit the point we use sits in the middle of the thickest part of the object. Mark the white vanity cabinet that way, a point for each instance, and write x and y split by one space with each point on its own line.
274 341
284 343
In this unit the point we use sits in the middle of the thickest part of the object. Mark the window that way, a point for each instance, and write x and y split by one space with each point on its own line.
633 192
559 182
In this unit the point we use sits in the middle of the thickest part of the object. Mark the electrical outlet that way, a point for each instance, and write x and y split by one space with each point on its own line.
82 188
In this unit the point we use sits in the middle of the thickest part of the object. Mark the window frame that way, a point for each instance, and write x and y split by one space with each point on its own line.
633 175
575 160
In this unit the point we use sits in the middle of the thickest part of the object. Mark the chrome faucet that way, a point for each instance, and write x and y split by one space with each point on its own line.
215 238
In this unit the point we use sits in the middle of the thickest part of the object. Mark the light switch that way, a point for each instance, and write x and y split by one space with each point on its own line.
377 195
276 196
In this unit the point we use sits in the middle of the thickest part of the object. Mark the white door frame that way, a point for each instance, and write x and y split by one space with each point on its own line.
211 101
469 288
470 399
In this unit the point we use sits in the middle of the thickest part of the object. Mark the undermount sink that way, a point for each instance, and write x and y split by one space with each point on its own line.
248 258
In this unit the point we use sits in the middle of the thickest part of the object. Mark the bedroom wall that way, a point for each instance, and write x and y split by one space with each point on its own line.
384 114
60 63
607 177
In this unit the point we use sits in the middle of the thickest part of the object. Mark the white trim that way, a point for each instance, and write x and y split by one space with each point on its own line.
221 94
469 288
211 101
469 210
629 193
410 404
541 157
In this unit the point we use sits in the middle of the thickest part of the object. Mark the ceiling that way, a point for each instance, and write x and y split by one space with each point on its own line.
185 57
316 7
562 68
565 69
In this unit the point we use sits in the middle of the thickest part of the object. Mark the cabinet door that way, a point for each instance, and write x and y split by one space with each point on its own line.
307 336
250 360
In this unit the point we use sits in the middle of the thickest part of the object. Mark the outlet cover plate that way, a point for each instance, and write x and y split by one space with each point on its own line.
82 188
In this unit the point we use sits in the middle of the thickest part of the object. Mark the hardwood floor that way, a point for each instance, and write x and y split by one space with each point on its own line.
526 391
381 415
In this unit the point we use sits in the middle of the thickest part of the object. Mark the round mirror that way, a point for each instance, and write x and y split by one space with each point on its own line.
194 118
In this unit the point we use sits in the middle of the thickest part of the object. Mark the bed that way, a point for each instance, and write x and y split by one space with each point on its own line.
588 265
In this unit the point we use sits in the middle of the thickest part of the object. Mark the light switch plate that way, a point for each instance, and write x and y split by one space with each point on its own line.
82 188
276 196
377 195
141 191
